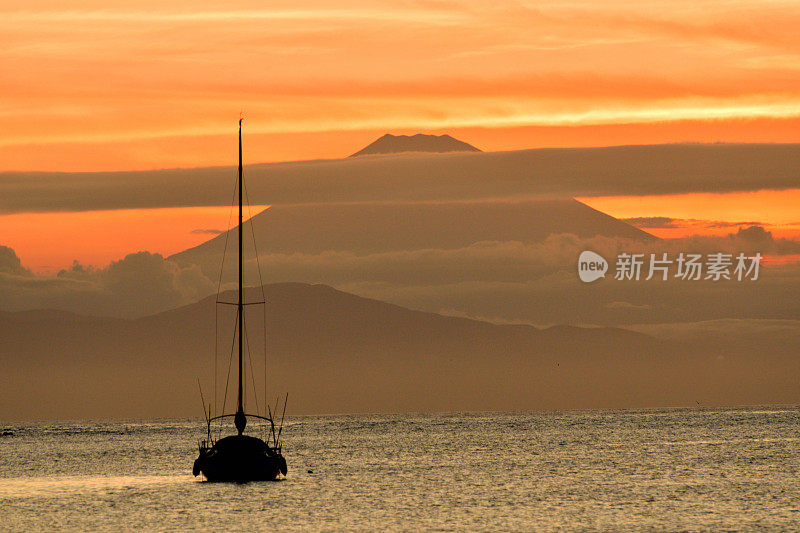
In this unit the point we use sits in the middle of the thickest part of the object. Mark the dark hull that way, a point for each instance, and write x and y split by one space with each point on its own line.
239 459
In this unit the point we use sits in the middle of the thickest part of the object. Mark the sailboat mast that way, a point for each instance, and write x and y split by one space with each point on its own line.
240 420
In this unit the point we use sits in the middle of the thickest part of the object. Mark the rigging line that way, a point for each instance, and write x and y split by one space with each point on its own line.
228 379
283 416
216 315
265 357
227 236
216 309
263 298
216 352
252 372
274 438
269 411
255 247
260 281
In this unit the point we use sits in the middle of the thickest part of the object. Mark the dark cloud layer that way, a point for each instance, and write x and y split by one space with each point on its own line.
626 170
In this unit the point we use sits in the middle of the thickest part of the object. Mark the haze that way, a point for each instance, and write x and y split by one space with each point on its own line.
485 243
435 269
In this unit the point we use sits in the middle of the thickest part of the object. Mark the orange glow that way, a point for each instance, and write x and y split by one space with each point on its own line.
709 213
782 231
120 85
781 260
216 150
49 242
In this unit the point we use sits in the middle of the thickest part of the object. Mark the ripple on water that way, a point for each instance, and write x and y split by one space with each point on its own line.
647 469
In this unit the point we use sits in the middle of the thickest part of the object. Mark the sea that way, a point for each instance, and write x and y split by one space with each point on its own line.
699 469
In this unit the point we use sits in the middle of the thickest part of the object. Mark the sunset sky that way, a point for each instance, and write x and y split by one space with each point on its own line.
142 85
138 85
597 122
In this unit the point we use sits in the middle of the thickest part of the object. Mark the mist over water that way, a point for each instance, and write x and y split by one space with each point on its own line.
670 469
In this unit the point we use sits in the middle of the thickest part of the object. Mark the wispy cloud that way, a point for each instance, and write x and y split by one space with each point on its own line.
118 79
673 223
509 280
229 15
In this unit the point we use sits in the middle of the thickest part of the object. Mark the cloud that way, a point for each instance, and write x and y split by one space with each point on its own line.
149 277
200 231
755 234
652 222
498 261
752 329
750 237
139 284
564 173
10 263
693 223
567 61
78 272
537 282
510 281
628 305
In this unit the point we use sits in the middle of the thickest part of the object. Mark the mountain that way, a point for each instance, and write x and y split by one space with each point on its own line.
336 352
372 228
397 144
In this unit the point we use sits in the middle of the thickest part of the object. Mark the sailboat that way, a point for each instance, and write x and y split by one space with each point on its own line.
240 458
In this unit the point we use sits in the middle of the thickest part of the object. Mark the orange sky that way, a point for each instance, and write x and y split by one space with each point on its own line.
49 242
135 85
709 213
119 85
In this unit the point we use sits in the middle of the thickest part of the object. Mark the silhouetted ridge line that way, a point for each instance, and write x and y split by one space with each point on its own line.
395 144
342 353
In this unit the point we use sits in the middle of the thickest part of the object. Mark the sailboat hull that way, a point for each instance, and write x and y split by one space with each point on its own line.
240 458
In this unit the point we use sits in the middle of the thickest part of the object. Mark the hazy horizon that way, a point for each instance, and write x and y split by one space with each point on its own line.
493 255
338 353
642 132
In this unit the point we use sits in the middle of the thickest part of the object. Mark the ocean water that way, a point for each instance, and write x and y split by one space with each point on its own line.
671 469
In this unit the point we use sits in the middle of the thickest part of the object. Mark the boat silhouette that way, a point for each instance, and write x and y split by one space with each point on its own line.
240 458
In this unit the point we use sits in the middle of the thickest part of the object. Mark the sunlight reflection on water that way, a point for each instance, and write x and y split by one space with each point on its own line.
664 469
64 485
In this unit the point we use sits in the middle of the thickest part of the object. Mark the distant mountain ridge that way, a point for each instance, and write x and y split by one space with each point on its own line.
365 229
396 144
336 352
